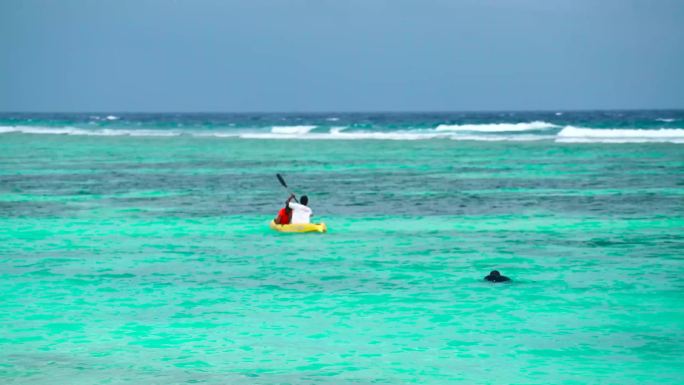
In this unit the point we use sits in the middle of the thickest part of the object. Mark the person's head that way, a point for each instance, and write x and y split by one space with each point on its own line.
304 200
494 273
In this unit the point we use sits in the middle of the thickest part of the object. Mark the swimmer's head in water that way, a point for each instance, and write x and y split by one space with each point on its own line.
304 200
495 276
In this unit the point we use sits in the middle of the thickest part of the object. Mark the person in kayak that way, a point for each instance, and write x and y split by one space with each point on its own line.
301 213
284 215
495 276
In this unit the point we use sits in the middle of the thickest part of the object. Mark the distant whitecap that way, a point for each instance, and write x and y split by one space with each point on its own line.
292 130
496 127
572 134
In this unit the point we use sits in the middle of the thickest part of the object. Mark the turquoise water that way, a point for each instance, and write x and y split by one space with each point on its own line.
148 259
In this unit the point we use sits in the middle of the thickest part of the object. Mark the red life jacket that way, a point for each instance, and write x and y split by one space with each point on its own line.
283 218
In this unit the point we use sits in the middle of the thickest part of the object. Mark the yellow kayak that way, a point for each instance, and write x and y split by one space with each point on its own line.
300 227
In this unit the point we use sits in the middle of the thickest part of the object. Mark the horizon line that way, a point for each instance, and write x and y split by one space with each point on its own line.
322 112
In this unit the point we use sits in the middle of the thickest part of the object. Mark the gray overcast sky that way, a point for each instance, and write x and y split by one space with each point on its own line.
343 55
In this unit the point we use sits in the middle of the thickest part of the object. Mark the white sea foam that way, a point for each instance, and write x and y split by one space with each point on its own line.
217 134
42 130
503 138
112 117
496 127
292 130
572 134
397 135
568 134
86 132
358 135
666 120
115 132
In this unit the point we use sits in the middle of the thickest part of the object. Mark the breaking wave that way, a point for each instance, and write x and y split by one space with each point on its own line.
497 127
292 130
339 134
87 132
484 132
572 134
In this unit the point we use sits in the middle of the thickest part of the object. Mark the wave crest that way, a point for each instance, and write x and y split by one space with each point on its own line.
497 127
572 134
86 132
291 130
569 134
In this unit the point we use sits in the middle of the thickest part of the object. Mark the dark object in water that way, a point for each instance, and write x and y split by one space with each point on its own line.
495 276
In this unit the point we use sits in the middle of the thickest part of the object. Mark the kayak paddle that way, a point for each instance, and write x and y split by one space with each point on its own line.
282 181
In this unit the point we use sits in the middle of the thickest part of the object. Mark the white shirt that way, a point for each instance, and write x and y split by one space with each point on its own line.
300 213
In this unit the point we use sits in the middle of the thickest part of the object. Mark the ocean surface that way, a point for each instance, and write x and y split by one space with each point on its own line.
135 248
